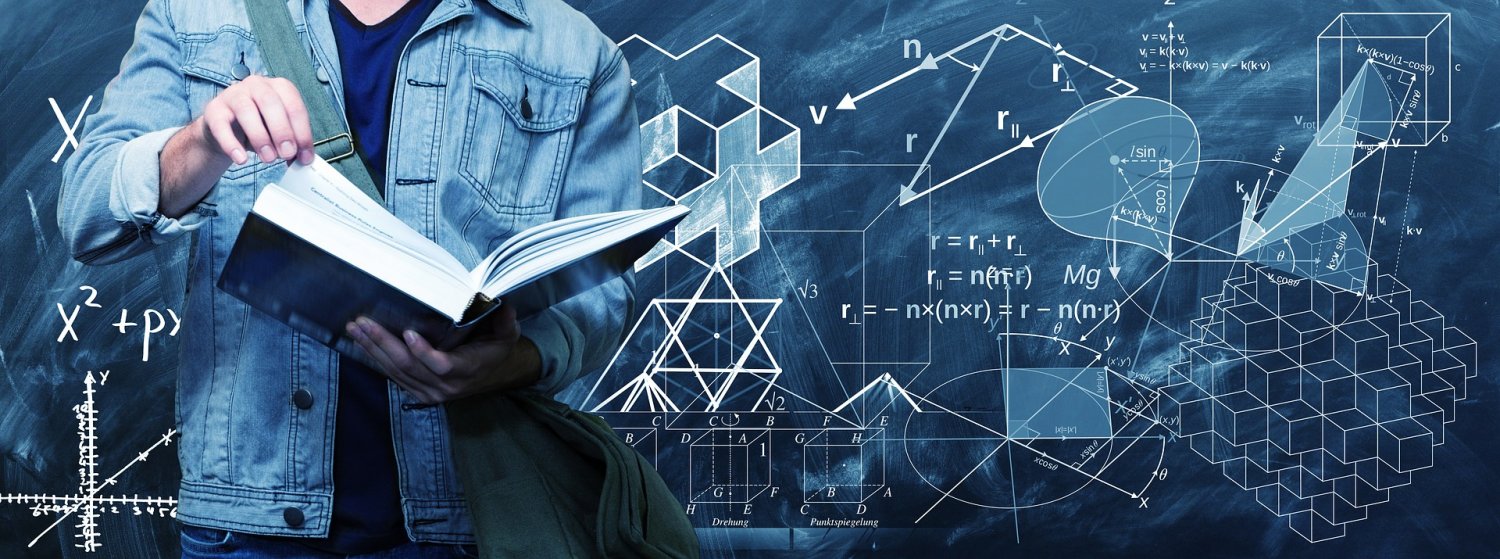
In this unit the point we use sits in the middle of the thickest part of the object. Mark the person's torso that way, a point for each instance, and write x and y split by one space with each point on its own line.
484 109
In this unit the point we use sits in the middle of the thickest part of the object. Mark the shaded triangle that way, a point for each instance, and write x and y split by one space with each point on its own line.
744 82
772 128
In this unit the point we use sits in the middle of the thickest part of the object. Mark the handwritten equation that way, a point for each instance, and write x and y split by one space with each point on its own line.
152 321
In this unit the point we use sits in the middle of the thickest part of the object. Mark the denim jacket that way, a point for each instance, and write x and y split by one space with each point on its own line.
467 167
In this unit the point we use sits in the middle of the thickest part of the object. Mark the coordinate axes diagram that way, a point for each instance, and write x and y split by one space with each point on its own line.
92 500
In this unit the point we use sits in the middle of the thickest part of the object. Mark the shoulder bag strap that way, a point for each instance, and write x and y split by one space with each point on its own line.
286 57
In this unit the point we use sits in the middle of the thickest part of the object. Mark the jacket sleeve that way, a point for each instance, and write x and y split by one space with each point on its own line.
580 334
107 206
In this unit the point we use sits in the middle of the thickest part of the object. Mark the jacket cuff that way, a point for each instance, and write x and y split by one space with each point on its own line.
135 190
559 344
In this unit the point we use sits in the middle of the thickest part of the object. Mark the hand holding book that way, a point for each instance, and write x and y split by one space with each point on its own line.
497 358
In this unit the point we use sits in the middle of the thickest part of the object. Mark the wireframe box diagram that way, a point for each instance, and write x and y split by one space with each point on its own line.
1413 55
730 465
643 440
843 465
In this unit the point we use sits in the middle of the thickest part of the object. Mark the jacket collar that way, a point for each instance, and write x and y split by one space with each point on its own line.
512 8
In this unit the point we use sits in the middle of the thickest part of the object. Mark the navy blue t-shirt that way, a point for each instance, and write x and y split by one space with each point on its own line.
367 498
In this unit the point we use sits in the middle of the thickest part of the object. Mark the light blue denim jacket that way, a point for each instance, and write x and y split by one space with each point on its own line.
467 168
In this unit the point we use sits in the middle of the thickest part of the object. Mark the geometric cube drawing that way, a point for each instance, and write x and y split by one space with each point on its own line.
1317 399
1413 49
730 465
718 150
843 465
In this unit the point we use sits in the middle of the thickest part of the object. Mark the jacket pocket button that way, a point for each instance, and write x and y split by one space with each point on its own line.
239 71
302 399
292 516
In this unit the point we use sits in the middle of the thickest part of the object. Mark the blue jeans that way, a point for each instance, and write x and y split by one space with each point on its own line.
205 543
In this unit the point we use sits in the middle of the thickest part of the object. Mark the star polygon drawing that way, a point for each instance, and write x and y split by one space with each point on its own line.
711 355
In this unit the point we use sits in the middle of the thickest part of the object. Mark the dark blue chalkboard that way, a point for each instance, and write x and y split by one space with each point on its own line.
788 372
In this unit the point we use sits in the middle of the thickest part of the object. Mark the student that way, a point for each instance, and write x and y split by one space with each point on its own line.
476 119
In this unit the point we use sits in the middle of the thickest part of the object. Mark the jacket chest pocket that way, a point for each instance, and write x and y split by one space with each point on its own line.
213 62
518 133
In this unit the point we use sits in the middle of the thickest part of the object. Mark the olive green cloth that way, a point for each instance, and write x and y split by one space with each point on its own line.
544 480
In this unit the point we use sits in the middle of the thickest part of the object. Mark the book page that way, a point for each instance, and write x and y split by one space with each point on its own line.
316 203
353 244
552 246
320 186
566 228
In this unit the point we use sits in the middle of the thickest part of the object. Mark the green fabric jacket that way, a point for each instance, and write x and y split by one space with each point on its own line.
544 480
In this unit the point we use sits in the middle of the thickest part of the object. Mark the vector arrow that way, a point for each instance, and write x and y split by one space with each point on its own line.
847 104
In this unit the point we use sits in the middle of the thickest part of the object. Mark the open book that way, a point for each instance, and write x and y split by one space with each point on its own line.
315 252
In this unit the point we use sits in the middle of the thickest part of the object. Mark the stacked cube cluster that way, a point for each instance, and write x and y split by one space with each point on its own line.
1318 399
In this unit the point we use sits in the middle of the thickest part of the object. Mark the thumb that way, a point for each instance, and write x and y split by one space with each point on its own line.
505 326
